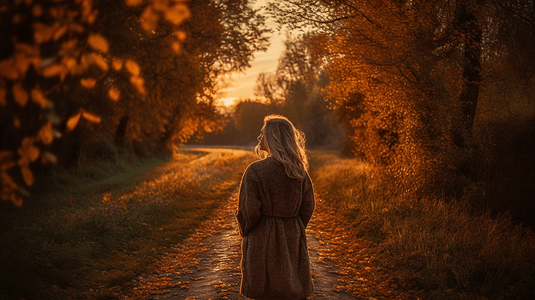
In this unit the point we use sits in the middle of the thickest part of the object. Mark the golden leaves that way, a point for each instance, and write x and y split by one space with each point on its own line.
39 98
91 117
177 14
46 134
138 83
8 69
74 120
53 70
98 42
27 175
114 94
132 67
149 19
43 33
28 149
181 35
176 47
99 61
19 94
117 64
88 82
136 80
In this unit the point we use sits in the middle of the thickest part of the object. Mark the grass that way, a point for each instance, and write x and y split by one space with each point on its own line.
86 233
440 246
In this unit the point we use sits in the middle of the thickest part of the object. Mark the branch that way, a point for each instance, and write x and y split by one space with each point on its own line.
514 12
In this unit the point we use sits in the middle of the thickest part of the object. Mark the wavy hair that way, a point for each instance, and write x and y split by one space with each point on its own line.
284 143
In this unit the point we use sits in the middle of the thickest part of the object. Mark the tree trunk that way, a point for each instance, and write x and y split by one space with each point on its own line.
121 131
468 25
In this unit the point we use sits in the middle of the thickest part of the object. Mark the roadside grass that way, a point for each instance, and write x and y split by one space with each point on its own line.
440 246
85 233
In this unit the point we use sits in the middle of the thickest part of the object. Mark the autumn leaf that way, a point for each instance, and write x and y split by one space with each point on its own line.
16 122
20 95
113 93
43 33
176 47
53 70
27 175
181 35
99 61
98 42
133 2
138 83
73 121
37 97
46 133
69 62
28 149
149 19
177 14
132 67
88 82
8 69
117 64
59 32
91 117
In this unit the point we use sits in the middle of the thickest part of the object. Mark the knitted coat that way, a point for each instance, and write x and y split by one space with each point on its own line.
273 212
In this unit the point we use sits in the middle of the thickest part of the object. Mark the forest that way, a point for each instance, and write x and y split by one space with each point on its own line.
419 117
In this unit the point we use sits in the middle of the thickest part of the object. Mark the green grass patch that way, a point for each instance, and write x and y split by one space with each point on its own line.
85 233
441 246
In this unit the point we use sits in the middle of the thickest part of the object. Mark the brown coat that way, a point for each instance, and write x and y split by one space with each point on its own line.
273 212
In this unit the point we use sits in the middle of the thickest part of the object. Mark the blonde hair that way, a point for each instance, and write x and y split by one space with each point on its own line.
285 143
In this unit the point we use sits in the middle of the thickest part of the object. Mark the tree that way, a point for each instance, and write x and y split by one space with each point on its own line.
132 72
420 67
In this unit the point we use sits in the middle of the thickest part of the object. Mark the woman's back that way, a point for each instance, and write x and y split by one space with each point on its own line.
276 202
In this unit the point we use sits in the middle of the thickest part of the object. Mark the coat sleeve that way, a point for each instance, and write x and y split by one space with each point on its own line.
249 203
308 202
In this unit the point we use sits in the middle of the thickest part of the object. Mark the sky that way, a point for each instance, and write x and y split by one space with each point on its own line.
242 84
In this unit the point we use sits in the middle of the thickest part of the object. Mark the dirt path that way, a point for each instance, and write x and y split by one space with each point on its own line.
206 266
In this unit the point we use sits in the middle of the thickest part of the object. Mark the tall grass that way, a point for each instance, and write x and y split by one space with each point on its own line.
439 245
86 233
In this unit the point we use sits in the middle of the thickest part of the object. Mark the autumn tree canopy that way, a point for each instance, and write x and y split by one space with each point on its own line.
413 74
78 75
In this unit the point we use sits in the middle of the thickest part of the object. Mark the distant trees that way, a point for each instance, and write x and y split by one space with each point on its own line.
135 74
414 78
294 90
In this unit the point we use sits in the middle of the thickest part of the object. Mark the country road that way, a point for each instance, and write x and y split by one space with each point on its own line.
206 265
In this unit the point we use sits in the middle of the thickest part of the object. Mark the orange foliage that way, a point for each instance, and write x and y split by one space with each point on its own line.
64 29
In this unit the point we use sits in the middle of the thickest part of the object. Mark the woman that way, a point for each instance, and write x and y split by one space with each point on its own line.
276 201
